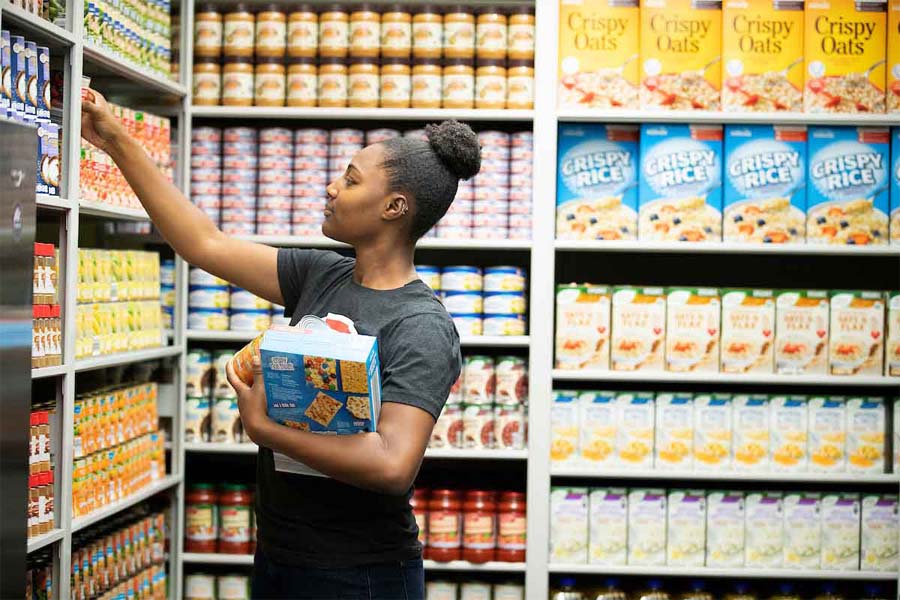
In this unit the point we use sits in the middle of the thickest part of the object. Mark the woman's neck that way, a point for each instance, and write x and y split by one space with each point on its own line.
384 265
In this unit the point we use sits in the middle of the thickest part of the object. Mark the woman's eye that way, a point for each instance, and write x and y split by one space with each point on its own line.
348 181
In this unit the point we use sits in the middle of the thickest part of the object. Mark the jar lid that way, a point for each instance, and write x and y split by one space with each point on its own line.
458 9
428 10
332 60
395 60
485 494
303 8
271 8
239 8
234 487
363 60
302 60
445 493
396 8
334 8
269 60
202 486
459 62
489 10
363 8
491 62
522 10
246 60
207 8
433 62
521 63
205 60
512 495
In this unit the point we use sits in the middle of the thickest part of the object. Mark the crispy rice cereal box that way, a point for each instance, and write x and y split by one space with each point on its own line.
681 48
712 432
847 180
844 53
840 532
686 528
634 432
895 182
569 525
725 529
788 430
564 428
598 418
692 329
801 332
893 56
680 183
647 527
582 326
892 348
748 331
609 526
638 329
596 186
762 56
765 178
598 53
764 543
802 531
879 533
866 427
674 432
827 446
857 332
750 426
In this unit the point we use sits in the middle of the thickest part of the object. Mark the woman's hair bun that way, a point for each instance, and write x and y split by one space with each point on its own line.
456 145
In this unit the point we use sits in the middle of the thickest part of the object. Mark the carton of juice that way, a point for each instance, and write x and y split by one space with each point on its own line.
892 347
893 56
866 427
674 432
647 527
857 331
750 420
598 54
802 531
879 533
748 331
564 429
712 432
686 528
609 526
582 326
764 546
827 434
692 329
725 529
599 421
634 435
840 532
801 332
568 525
638 329
844 53
788 426
681 48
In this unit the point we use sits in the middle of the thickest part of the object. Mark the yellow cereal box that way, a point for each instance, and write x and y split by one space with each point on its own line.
762 56
857 333
892 350
893 56
788 426
866 424
750 418
598 53
748 324
681 44
712 432
827 434
845 54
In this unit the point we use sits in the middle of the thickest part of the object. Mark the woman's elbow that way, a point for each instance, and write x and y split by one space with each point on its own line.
395 480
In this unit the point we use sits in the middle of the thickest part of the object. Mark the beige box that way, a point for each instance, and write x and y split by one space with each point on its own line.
598 416
892 348
686 528
857 332
725 529
764 544
608 526
582 326
750 431
674 447
840 532
712 432
748 331
638 329
788 431
827 447
896 420
647 527
866 435
802 531
569 525
801 332
564 429
692 329
879 533
634 432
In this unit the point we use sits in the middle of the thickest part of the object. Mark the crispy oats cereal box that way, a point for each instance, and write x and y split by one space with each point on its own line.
598 418
893 56
748 331
840 532
866 427
750 425
827 446
634 430
598 53
647 527
765 178
764 542
686 528
802 530
801 332
895 185
857 332
681 48
564 428
674 448
582 326
680 183
892 349
762 56
638 329
847 178
608 527
878 533
569 525
844 54
692 329
712 432
725 529
788 431
596 187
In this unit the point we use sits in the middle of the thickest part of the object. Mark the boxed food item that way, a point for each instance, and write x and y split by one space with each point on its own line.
840 520
638 329
801 332
681 48
748 328
893 56
609 526
896 419
712 432
765 184
686 528
880 532
569 525
680 193
634 430
596 184
647 527
750 424
764 544
582 326
598 418
598 54
857 331
725 529
692 329
802 531
674 432
788 425
866 428
827 434
892 347
844 54
847 178
564 428
895 176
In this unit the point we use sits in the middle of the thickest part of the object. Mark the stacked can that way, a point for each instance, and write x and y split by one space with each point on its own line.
239 162
310 179
490 219
343 144
248 312
431 275
206 170
209 299
504 301
376 136
167 293
461 288
521 161
275 194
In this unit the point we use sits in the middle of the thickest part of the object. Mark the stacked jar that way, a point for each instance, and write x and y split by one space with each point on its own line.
239 180
219 520
275 175
310 179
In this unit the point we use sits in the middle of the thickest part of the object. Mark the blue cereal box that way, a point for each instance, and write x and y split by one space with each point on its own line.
847 185
765 174
596 185
681 183
895 185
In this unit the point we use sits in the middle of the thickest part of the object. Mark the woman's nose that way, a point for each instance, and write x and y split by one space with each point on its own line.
331 189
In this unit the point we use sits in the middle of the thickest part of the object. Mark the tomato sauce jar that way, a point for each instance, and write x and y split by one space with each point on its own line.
234 513
201 517
479 526
419 505
512 527
444 526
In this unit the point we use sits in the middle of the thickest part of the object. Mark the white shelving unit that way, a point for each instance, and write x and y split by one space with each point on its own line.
727 378
850 479
736 573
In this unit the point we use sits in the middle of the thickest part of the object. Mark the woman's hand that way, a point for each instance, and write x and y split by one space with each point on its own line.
251 399
98 125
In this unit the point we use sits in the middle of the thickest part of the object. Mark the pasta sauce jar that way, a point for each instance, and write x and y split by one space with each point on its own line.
201 522
234 516
479 526
512 527
444 526
419 505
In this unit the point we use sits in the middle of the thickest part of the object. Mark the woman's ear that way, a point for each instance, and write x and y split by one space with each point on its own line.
397 207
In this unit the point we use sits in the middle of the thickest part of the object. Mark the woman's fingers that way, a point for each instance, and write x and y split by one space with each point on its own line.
235 381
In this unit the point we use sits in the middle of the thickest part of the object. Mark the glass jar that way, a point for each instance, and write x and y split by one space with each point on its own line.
234 519
302 82
332 81
207 82
365 26
479 527
396 32
458 83
201 518
427 33
237 81
459 33
490 34
444 526
238 31
269 84
208 32
396 83
520 34
334 32
419 505
520 84
426 80
271 32
490 84
512 527
303 31
362 83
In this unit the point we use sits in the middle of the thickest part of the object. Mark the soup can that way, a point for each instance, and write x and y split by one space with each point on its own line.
504 303
447 432
273 229
250 319
220 359
206 134
208 296
455 396
510 424
233 587
237 228
504 279
375 136
511 374
489 233
463 302
461 279
311 136
241 299
198 373
430 275
199 586
478 426
276 134
208 319
441 590
445 232
468 325
196 419
504 325
479 380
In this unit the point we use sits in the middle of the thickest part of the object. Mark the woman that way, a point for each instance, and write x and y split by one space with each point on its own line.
351 535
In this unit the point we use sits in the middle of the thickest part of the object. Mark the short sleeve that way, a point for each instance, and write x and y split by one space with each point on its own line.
296 267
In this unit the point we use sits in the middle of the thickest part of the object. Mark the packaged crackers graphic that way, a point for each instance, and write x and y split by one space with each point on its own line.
857 333
801 332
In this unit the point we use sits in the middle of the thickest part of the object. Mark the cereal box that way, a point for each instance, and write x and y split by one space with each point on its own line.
748 328
692 329
674 432
893 56
680 191
609 526
764 544
801 332
564 428
596 186
802 531
712 432
569 525
750 427
598 53
638 329
582 326
725 529
857 331
840 532
788 427
844 53
847 178
5 74
879 533
827 446
686 528
599 421
681 48
896 419
634 432
762 56
895 183
866 427
647 527
765 179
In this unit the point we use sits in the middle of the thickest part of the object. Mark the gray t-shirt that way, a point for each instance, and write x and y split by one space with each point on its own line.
312 521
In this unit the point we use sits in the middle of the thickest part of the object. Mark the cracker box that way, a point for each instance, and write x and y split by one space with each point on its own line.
598 54
569 525
681 50
712 432
840 532
634 430
866 427
674 447
764 543
892 347
598 416
686 528
692 329
847 185
762 56
564 428
680 192
801 332
844 53
857 332
802 531
638 329
879 533
647 527
582 326
788 430
725 529
748 331
827 447
750 431
596 186
765 179
608 526
895 184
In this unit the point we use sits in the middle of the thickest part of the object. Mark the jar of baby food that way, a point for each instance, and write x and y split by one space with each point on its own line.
365 32
271 32
490 34
332 82
334 32
207 32
444 526
207 82
302 82
459 33
238 27
520 34
427 32
269 82
458 83
237 81
490 84
426 83
396 83
520 84
396 32
362 83
303 31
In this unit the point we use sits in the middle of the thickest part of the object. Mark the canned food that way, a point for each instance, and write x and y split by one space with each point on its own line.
467 325
509 591
206 188
463 302
461 279
278 317
494 165
441 590
504 325
239 149
208 296
521 167
198 373
276 149
446 232
310 136
522 153
511 375
455 396
447 431
308 204
490 207
521 180
208 319
205 149
498 221
242 299
475 590
196 419
168 317
283 177
504 279
167 294
343 150
520 207
430 275
483 179
346 136
489 233
250 319
303 217
281 163
275 134
206 134
504 303
226 418
493 138
240 161
239 134
238 175
238 202
305 190
233 587
305 230
478 380
275 189
316 178
317 152
197 276
282 229
460 207
495 153
206 161
520 195
238 215
274 203
520 221
375 136
273 216
465 193
167 272
211 213
478 427
456 220
239 228
199 586
522 138
498 193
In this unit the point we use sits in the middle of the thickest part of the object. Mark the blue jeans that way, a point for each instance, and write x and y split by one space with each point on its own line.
399 580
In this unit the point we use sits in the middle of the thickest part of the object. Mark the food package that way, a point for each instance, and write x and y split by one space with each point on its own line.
725 530
857 333
764 543
692 329
801 332
748 324
647 527
564 429
866 426
582 326
802 531
880 533
569 525
686 528
895 169
892 347
788 427
634 430
674 447
712 432
608 526
750 419
840 521
598 418
638 329
827 435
